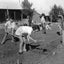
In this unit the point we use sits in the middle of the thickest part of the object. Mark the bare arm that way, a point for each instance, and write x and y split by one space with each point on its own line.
5 28
28 37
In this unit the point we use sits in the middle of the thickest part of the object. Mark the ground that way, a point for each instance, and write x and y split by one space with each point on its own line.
35 55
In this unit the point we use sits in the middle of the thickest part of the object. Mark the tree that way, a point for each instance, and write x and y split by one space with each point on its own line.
27 10
26 4
55 12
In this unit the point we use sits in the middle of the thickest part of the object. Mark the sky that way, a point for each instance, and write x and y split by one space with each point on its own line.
39 5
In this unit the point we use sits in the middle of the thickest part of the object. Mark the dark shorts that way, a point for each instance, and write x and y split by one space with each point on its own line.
25 35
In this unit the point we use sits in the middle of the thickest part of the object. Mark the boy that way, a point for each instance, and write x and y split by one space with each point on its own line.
9 28
23 33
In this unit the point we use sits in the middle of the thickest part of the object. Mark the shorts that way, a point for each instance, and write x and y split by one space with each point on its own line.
25 35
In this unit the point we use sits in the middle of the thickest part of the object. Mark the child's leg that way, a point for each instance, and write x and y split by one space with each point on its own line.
49 27
24 47
4 38
6 30
21 44
12 34
24 41
46 27
44 30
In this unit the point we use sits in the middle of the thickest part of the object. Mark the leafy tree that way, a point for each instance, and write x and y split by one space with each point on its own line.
26 4
27 10
55 12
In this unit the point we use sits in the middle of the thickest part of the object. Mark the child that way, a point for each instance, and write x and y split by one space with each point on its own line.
23 33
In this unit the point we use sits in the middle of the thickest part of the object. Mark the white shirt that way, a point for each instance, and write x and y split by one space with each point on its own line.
8 24
24 29
13 25
42 20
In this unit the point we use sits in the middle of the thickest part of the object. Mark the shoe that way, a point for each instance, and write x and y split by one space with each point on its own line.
24 50
20 52
44 32
45 50
58 33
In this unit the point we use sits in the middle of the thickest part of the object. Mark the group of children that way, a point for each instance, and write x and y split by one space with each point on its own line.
22 32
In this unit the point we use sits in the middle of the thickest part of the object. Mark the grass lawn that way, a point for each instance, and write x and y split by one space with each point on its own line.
9 51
